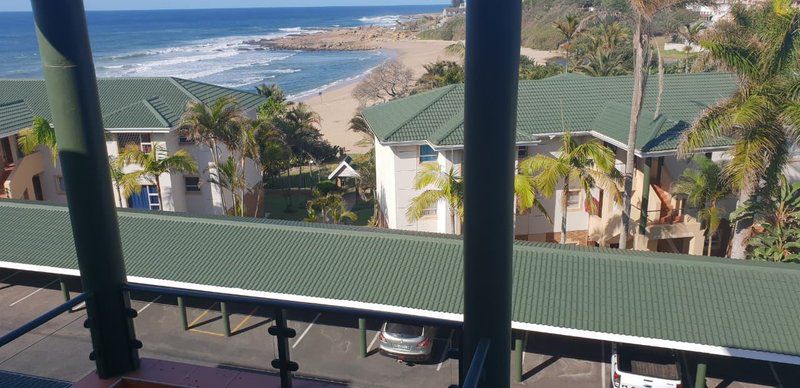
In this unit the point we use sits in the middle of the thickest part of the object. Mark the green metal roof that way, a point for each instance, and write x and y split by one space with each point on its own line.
707 301
565 102
129 103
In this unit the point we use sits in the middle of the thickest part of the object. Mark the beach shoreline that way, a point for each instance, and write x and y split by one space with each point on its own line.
336 105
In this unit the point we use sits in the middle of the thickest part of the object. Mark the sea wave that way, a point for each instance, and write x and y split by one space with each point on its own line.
300 30
384 20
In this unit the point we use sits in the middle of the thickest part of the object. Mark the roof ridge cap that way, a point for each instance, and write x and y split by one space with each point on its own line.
174 81
155 111
449 88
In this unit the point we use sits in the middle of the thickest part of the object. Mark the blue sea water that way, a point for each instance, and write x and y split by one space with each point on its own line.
211 45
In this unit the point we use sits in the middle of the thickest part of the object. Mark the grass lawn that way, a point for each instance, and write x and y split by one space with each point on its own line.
363 210
275 202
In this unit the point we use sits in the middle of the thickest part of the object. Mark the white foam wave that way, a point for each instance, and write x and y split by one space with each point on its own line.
299 30
384 20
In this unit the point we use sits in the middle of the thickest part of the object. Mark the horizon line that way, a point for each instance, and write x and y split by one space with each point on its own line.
247 7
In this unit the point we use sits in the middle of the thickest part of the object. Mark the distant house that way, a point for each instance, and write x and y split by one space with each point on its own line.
428 127
140 111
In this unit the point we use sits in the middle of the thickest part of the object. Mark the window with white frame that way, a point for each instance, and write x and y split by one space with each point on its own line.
192 183
426 154
574 199
152 195
141 140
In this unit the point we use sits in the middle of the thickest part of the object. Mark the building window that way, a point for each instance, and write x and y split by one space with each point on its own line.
183 140
141 140
574 199
429 212
426 154
60 188
146 199
192 183
522 152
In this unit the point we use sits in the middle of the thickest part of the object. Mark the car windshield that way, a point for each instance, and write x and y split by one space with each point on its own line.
404 331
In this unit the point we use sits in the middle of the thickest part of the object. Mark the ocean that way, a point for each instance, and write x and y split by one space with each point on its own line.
211 45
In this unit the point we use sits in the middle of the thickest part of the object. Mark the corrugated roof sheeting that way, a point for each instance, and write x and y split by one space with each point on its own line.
709 301
127 102
567 102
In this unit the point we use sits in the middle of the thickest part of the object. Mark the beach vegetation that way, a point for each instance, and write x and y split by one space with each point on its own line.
390 80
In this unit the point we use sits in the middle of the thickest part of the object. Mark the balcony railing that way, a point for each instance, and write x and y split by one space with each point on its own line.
280 330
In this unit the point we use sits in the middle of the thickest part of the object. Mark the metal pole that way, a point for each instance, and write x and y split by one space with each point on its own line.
362 336
490 113
648 163
518 358
226 319
700 379
182 313
72 93
283 363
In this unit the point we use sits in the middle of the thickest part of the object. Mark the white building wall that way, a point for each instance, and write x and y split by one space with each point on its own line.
385 183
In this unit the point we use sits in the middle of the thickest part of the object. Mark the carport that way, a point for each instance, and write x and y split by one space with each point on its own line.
689 303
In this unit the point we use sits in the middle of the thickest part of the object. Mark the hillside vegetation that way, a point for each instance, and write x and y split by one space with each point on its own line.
538 17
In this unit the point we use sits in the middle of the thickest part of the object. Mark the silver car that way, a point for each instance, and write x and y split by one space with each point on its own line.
406 342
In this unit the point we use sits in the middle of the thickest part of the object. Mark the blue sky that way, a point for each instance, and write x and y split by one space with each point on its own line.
25 5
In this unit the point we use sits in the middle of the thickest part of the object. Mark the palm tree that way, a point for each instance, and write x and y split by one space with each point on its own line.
41 133
329 208
691 34
602 62
704 186
438 185
125 184
762 117
156 162
591 164
208 125
643 13
226 175
271 91
448 186
569 29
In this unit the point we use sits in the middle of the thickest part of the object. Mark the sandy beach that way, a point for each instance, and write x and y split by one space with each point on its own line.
336 106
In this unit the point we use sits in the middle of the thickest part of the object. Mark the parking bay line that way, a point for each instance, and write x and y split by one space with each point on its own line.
375 338
247 318
149 304
199 317
300 338
33 293
444 353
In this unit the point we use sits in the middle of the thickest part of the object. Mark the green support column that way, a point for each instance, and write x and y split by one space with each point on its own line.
64 290
182 313
491 67
518 344
226 319
645 195
362 336
700 379
75 109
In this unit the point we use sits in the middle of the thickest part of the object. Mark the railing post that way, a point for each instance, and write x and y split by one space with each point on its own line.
182 313
226 319
490 113
362 336
282 333
72 94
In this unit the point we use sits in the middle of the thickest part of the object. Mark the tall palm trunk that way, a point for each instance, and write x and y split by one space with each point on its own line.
215 159
636 109
741 229
564 199
244 185
453 220
119 193
709 233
